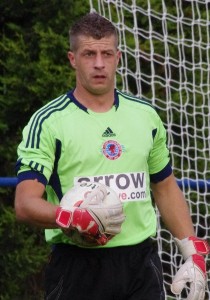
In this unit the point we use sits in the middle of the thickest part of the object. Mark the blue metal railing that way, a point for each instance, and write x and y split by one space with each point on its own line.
194 184
8 181
183 183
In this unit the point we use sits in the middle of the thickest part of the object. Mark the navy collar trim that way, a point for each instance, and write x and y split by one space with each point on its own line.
70 94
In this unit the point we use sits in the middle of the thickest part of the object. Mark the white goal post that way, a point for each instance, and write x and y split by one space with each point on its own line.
166 60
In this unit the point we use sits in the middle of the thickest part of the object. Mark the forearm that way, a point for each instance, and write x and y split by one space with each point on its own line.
43 215
173 208
32 208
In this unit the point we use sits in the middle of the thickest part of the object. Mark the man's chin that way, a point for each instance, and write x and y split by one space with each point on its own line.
99 90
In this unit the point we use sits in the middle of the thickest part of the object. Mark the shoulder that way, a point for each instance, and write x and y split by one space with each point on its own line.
136 103
54 109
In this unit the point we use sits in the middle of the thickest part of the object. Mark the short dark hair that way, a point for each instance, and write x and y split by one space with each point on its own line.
91 25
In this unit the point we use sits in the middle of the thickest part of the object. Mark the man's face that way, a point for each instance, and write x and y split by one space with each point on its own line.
95 62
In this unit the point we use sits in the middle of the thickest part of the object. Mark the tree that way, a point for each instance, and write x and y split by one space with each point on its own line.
34 70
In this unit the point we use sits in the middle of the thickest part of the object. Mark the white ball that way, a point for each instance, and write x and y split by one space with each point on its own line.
75 196
80 191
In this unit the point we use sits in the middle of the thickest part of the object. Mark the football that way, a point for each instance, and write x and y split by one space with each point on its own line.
75 196
80 191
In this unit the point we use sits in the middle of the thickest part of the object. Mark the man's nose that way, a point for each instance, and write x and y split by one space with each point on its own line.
99 61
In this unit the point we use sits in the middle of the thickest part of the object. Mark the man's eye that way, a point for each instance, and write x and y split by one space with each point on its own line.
88 54
108 54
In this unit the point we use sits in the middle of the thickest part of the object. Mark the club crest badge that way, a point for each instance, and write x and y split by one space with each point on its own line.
112 149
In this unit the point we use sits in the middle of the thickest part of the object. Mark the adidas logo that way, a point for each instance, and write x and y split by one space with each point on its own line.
108 133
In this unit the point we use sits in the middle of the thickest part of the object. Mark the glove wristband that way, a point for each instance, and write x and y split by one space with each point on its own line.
63 217
192 245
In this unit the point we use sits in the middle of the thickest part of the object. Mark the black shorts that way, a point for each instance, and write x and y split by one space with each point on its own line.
122 273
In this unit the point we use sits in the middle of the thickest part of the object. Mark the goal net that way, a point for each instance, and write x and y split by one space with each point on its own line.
166 60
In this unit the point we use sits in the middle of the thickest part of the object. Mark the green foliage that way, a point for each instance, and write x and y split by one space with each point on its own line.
34 64
23 254
34 70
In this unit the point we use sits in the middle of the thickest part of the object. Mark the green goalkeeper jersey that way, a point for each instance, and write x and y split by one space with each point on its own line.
124 148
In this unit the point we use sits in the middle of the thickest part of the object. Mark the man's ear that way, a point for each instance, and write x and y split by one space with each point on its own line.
71 58
119 55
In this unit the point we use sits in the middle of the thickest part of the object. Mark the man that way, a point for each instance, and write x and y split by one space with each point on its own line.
95 133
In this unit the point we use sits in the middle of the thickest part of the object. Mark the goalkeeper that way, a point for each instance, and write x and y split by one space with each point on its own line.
115 145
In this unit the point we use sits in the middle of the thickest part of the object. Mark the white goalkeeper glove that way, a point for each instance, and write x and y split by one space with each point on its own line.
92 212
194 268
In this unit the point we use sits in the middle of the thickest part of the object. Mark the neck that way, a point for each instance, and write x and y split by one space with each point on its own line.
94 102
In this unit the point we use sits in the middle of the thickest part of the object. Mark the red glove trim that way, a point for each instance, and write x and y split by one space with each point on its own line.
201 246
200 262
84 222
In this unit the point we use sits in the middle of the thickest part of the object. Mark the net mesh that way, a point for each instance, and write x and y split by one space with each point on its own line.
166 60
